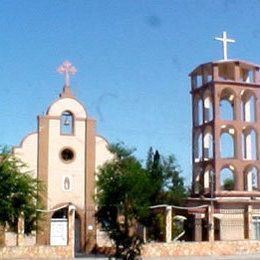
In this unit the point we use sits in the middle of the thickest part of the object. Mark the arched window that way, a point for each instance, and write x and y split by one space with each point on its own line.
227 178
198 111
248 107
208 109
67 123
208 143
197 180
197 146
252 179
227 105
249 146
209 180
227 147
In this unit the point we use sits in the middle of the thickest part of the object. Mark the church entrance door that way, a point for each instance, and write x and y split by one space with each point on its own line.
59 232
59 228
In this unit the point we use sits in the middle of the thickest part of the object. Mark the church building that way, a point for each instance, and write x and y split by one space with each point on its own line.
225 151
64 153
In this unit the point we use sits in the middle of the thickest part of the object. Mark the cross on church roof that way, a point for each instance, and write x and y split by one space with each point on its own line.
67 69
224 41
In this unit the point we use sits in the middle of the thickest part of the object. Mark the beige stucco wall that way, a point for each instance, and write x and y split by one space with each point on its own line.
58 169
69 104
27 153
102 153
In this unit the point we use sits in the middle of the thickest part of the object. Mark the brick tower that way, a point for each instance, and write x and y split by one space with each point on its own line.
225 151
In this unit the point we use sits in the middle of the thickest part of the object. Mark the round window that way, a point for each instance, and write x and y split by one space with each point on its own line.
67 155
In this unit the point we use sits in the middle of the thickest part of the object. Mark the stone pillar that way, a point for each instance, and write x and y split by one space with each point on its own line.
210 223
144 234
20 231
237 72
90 207
168 224
43 229
43 223
71 228
249 221
2 236
215 72
198 228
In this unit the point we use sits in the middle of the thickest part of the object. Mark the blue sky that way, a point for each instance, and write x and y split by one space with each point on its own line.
133 60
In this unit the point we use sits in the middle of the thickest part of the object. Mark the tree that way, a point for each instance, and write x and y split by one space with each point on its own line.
126 190
174 191
165 173
155 173
228 184
168 188
18 193
123 197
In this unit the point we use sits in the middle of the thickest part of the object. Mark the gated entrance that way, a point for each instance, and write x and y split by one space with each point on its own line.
59 232
59 228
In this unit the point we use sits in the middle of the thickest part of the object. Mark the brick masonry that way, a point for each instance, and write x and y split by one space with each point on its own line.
201 248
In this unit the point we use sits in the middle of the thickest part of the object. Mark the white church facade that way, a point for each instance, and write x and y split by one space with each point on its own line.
64 154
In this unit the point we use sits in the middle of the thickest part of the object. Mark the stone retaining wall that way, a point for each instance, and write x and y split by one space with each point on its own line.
201 248
11 239
26 252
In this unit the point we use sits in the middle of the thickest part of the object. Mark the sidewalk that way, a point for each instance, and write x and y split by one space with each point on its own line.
234 257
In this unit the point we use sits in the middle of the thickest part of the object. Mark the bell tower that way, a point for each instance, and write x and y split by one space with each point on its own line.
225 137
225 130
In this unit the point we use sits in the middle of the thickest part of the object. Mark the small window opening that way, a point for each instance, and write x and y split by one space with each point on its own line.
198 111
208 109
209 181
226 71
198 146
227 146
227 179
67 155
207 74
248 107
197 81
227 103
208 144
197 180
249 146
247 75
67 123
252 179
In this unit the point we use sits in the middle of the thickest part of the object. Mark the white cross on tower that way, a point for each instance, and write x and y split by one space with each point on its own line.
67 69
224 41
